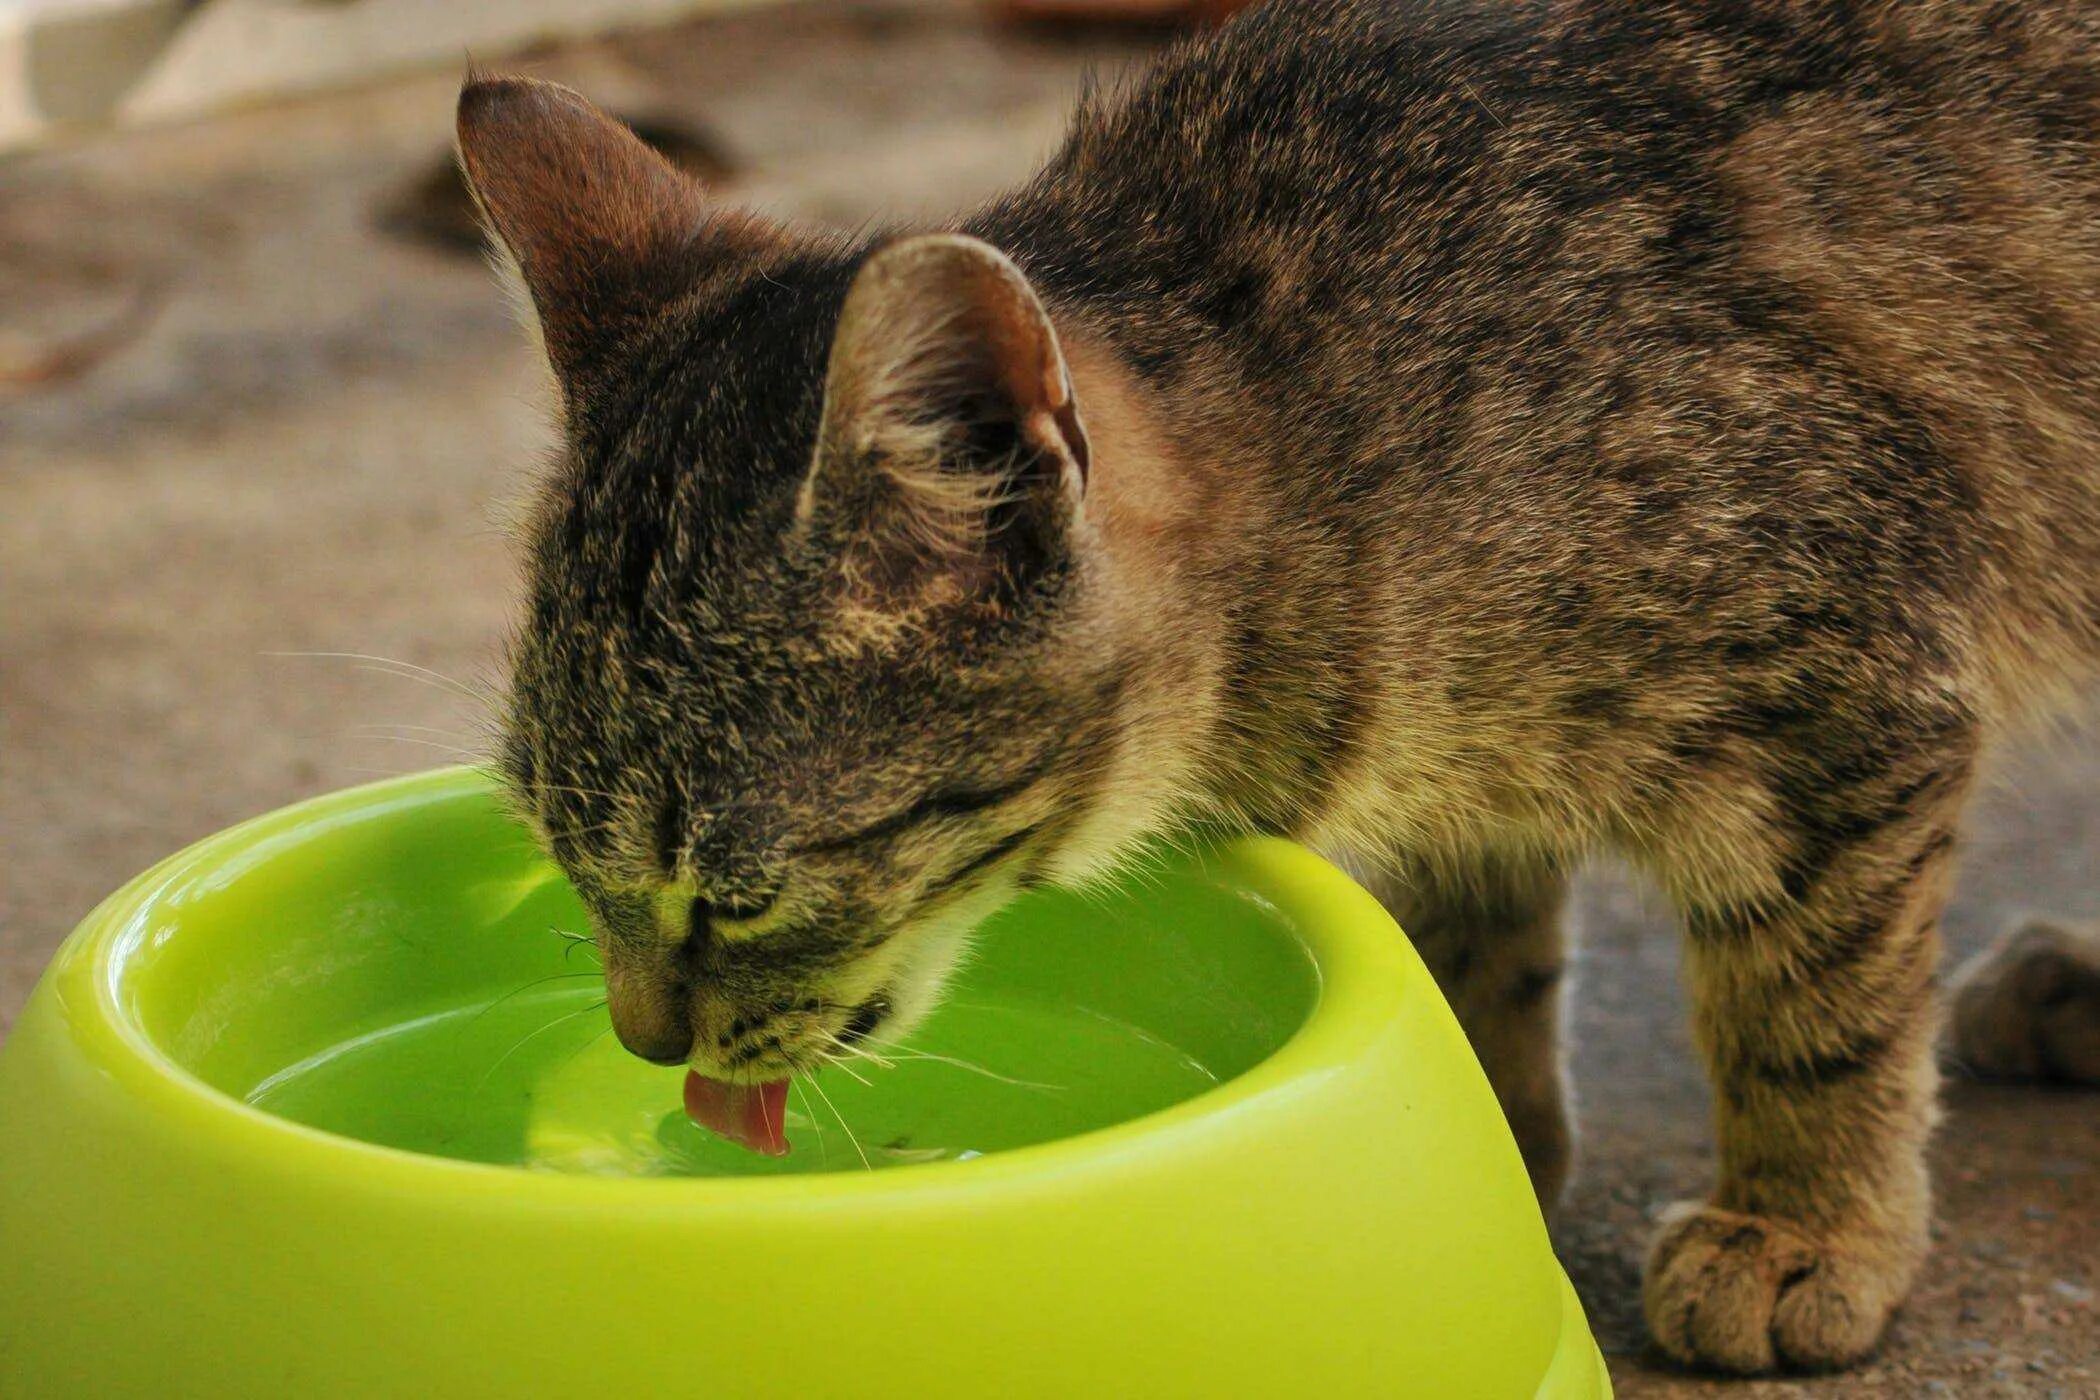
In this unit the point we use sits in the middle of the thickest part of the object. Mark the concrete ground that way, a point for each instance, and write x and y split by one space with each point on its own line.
301 446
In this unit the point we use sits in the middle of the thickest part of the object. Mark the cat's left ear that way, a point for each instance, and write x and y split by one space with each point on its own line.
603 231
951 454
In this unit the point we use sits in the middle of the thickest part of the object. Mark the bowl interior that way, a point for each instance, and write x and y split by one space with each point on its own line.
404 971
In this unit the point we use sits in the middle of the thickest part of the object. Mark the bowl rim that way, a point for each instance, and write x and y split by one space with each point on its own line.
1361 983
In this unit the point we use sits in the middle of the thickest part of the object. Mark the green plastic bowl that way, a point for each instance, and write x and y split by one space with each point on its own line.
324 1106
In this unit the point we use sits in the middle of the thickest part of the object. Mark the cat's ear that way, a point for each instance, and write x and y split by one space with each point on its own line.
602 230
951 454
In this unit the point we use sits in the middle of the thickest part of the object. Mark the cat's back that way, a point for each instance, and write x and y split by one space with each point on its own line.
1628 268
1421 136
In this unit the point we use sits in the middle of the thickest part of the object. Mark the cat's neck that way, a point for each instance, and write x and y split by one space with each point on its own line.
1145 494
1198 557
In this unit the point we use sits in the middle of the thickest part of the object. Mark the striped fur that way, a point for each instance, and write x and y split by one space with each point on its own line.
1490 434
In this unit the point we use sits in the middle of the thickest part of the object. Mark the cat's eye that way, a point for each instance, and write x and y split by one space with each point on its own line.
734 918
680 914
744 910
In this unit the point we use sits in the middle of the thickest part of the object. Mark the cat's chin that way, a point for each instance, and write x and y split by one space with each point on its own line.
916 983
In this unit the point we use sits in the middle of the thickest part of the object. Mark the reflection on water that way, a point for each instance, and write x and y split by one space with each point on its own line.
535 1079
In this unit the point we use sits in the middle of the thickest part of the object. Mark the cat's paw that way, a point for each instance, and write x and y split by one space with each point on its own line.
2028 1007
1748 1294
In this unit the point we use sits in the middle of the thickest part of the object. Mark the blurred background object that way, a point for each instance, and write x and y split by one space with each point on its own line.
1161 12
68 64
264 414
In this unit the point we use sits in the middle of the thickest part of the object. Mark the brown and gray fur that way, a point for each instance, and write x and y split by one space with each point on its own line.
1470 436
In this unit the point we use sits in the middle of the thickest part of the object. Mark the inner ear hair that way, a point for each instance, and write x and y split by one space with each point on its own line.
947 385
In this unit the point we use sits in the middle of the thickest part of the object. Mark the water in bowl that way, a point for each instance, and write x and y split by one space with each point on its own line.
535 1079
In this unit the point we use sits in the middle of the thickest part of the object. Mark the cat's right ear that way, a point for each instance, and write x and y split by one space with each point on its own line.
951 460
602 230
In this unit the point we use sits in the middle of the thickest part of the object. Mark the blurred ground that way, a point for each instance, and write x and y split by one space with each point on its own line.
306 446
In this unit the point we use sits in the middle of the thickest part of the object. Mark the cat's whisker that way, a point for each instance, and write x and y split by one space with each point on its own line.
476 746
823 1149
838 1063
531 1036
467 756
844 1126
980 1069
405 670
860 1052
520 991
969 1005
380 730
364 771
571 1057
873 1057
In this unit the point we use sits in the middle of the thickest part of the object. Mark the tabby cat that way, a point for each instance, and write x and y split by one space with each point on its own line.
1469 435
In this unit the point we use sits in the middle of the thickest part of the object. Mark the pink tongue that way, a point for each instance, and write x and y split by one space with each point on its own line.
749 1115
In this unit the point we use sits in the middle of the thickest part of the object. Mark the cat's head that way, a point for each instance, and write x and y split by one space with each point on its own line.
814 670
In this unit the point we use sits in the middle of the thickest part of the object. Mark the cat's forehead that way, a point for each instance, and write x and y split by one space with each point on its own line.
718 386
724 694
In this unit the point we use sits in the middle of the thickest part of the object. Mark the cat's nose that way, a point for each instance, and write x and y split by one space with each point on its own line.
650 1016
657 1047
661 1040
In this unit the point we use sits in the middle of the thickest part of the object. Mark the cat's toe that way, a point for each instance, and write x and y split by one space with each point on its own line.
2028 1007
1748 1294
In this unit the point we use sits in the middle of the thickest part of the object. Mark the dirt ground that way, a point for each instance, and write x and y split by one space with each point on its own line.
299 450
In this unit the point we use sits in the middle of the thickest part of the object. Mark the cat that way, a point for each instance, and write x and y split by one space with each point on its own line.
1465 436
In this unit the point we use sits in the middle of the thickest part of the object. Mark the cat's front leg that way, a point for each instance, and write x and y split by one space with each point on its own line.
1814 1010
